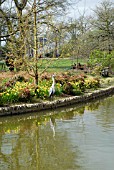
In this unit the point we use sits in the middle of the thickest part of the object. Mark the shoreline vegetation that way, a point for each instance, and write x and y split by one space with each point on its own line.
49 105
19 93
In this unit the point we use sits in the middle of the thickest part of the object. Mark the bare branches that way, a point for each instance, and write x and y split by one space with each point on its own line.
20 6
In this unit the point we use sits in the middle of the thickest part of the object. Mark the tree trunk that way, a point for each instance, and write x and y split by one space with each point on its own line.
36 78
35 45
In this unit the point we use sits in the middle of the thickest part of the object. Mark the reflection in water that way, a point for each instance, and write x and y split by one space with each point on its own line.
77 138
52 125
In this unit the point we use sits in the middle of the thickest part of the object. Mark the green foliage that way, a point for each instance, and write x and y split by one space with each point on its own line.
21 90
72 88
112 61
77 88
9 96
58 89
66 50
96 57
92 83
9 83
42 92
3 51
100 58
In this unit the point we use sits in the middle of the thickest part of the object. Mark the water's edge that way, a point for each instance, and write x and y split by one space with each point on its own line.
26 108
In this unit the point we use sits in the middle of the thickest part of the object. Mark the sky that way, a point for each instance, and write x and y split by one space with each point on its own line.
86 5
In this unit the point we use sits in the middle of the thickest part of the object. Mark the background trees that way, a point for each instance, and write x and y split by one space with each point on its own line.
89 33
16 27
26 23
30 29
104 25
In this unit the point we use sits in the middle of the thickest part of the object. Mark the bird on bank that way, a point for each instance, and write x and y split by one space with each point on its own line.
52 88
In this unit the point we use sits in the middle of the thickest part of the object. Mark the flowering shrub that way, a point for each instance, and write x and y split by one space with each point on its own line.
62 79
9 96
45 76
58 89
42 90
25 90
9 83
67 88
92 83
67 77
78 87
72 88
21 91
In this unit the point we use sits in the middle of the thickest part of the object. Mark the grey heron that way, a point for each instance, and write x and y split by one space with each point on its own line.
52 88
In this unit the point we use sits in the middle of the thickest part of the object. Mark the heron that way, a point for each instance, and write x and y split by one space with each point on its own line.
52 88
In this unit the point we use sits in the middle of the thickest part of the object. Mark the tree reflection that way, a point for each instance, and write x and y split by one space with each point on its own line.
33 147
35 142
105 114
93 105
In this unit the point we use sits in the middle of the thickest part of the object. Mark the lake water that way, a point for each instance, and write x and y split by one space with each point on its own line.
72 138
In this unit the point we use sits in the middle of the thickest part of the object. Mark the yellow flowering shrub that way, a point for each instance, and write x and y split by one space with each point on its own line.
92 83
21 91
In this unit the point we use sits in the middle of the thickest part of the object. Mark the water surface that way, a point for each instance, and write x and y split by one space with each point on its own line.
73 138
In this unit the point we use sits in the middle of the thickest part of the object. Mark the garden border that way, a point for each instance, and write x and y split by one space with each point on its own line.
27 108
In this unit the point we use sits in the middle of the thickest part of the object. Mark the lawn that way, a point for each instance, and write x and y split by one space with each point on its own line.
54 64
58 64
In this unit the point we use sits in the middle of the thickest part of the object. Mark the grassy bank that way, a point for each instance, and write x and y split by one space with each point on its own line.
54 64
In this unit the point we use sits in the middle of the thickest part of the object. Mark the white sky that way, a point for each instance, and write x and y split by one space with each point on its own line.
86 5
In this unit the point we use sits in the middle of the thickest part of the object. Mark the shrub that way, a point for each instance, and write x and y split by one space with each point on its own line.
92 83
42 90
21 91
101 58
20 78
58 89
9 96
77 88
72 88
45 76
9 83
67 88
25 90
62 79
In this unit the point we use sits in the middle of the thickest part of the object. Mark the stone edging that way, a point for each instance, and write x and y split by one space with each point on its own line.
26 108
